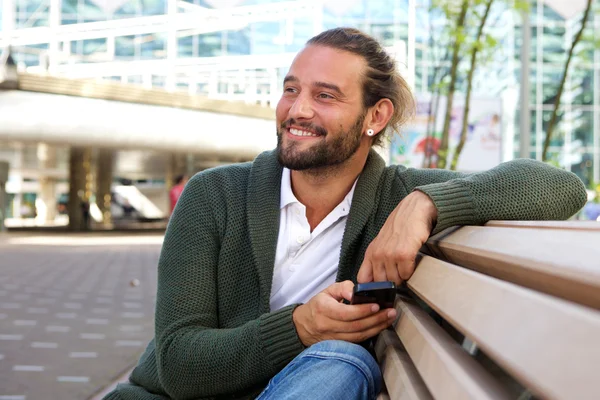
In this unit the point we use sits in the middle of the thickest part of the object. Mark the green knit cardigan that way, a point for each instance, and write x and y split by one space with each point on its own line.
215 335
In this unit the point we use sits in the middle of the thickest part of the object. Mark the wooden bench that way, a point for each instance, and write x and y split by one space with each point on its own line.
510 310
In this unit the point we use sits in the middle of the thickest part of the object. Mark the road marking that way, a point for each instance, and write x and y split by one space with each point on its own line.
55 328
63 315
11 337
77 296
25 322
1 356
101 310
131 328
44 345
104 300
75 379
96 321
21 296
132 315
12 397
46 301
83 354
92 336
28 368
129 343
132 305
73 306
37 310
10 306
3 316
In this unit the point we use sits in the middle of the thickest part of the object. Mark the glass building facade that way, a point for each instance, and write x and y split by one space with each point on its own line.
576 143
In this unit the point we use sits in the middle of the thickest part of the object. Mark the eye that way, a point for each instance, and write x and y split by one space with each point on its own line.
290 89
325 96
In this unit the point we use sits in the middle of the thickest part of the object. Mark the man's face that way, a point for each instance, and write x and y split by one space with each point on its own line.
320 114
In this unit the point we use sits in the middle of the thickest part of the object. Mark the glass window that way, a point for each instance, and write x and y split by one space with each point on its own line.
238 42
583 167
551 15
583 128
124 46
550 81
553 45
582 81
533 129
558 133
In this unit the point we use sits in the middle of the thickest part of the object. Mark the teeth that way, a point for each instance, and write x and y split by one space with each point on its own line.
298 132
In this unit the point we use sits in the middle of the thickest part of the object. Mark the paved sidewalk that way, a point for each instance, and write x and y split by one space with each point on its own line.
70 320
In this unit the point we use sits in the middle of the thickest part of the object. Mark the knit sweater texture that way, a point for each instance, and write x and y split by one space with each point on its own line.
215 336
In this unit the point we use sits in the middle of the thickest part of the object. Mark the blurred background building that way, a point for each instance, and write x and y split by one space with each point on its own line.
97 77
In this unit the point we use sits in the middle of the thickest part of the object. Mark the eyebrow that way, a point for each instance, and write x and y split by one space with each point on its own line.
330 86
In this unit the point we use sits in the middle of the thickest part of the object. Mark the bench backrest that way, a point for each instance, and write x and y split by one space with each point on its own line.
524 296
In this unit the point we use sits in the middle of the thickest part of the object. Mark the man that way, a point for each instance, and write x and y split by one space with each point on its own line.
258 257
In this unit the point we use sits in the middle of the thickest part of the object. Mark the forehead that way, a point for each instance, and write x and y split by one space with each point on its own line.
325 64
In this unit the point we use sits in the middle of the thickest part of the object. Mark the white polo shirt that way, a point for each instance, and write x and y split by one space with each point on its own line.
305 262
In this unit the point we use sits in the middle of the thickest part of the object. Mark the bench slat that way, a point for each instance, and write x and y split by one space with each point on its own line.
551 345
401 378
535 258
447 370
577 225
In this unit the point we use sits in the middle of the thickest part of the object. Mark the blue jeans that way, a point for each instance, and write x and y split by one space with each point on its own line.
332 369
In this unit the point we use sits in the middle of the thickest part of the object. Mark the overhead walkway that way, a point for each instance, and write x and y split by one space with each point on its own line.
58 110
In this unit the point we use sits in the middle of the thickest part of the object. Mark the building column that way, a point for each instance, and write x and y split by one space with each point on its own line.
47 210
79 189
177 164
104 177
3 180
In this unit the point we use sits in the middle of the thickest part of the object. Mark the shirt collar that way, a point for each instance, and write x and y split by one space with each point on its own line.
287 195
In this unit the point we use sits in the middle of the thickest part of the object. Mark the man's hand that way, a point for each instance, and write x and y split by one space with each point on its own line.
324 317
391 255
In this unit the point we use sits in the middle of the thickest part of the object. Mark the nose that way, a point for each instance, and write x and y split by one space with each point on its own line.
302 108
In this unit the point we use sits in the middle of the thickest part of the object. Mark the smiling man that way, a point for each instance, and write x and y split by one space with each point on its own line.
258 257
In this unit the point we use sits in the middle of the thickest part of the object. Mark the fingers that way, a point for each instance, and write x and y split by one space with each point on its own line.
343 312
365 273
382 317
340 290
369 331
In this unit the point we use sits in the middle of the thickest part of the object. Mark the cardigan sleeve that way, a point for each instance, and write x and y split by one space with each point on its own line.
521 189
195 357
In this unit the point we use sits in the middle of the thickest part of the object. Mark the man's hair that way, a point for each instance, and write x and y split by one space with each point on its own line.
382 79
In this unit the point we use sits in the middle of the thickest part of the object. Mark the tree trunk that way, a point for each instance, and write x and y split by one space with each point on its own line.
431 123
552 123
465 122
443 151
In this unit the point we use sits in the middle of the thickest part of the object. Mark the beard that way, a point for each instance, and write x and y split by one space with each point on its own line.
336 151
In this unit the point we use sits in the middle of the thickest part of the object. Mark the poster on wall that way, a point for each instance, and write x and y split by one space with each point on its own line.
482 148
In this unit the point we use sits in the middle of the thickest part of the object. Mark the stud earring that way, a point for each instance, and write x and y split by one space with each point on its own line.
370 132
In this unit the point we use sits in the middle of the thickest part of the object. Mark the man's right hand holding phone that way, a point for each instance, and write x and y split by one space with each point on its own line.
325 317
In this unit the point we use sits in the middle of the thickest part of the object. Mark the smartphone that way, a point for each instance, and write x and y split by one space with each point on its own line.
382 293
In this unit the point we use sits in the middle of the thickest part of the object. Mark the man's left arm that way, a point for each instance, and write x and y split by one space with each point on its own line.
517 190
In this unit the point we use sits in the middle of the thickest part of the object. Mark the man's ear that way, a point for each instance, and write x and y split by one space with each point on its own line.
379 115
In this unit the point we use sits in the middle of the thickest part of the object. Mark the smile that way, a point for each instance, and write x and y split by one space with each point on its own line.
299 132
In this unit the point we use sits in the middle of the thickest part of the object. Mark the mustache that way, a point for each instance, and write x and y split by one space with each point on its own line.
319 130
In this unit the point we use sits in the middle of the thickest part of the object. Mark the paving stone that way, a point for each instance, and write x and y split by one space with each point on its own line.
57 341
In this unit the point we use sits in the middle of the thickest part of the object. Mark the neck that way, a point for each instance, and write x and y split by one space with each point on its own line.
322 189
